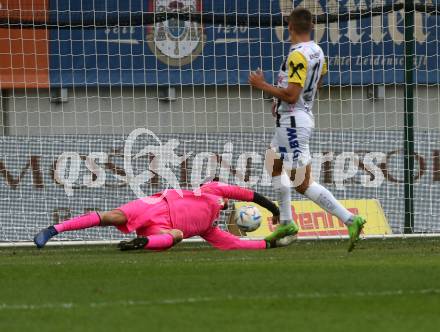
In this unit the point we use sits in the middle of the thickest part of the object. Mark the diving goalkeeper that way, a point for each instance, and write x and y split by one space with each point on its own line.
161 225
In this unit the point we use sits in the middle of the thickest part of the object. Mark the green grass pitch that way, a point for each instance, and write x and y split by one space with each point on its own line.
390 285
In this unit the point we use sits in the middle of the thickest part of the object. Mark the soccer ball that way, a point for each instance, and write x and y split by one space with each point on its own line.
248 218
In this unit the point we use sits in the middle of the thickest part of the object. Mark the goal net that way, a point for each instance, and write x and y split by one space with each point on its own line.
92 91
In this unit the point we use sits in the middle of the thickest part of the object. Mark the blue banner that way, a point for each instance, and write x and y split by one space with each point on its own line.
360 52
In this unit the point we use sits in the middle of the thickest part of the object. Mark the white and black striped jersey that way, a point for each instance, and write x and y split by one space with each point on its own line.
305 65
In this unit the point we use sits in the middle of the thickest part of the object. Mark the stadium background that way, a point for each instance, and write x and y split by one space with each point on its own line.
114 75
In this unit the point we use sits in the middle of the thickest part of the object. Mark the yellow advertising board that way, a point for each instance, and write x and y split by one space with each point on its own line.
314 221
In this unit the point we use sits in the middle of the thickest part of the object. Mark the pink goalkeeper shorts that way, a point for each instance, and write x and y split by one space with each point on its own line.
145 219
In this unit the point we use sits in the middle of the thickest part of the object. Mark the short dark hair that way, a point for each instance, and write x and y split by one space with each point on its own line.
301 20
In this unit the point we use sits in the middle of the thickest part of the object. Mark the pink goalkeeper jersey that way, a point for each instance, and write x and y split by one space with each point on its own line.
195 214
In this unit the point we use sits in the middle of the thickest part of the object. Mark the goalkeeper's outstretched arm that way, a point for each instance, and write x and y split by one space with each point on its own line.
242 194
226 241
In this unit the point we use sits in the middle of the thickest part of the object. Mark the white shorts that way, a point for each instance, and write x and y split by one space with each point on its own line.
292 146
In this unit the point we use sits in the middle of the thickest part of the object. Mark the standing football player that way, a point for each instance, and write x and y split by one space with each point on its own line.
164 223
299 78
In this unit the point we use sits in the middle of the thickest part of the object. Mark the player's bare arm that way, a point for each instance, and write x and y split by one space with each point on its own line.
290 94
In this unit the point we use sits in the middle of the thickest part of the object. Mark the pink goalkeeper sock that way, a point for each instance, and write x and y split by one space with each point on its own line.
81 222
160 242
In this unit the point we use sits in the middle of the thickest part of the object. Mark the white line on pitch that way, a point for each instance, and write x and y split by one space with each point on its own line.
199 240
189 300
